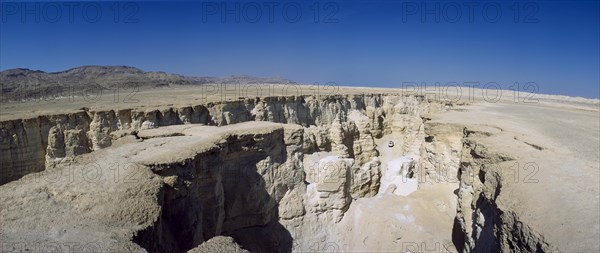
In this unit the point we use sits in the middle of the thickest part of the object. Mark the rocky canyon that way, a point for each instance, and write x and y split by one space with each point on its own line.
352 171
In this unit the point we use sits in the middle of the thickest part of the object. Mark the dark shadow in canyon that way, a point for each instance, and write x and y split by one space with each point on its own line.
221 192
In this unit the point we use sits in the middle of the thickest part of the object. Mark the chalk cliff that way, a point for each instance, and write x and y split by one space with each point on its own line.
272 174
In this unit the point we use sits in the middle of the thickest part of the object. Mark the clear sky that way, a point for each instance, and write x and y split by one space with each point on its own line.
554 44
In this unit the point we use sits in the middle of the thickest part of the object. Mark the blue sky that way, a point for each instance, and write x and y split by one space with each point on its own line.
554 44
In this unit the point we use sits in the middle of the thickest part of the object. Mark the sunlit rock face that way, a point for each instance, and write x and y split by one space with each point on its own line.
272 174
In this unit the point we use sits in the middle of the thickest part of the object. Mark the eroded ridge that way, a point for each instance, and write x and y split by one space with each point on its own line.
243 184
482 224
281 174
32 144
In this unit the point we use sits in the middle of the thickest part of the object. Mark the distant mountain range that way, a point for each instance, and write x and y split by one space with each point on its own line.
19 84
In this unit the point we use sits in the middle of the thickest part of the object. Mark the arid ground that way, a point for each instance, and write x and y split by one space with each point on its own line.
300 168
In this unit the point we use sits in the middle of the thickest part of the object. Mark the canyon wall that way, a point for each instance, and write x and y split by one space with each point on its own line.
30 145
483 224
276 174
288 193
